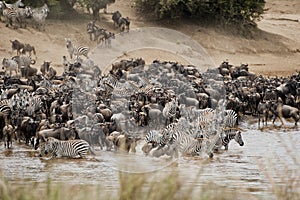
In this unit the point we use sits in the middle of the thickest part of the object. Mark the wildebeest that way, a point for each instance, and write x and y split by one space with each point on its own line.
286 111
115 17
17 45
123 142
61 133
28 49
28 71
45 67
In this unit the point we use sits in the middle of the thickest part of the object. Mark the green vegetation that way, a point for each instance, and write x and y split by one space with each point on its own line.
139 186
132 186
241 14
227 12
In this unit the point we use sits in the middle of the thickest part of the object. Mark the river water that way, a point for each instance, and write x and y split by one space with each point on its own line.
268 157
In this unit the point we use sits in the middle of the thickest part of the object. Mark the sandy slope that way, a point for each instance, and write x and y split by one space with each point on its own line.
275 51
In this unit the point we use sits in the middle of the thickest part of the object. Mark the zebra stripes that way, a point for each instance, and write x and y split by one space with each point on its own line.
153 137
15 13
230 118
39 16
66 148
10 65
5 110
227 135
76 50
197 131
189 146
111 84
22 15
170 110
35 104
10 16
91 29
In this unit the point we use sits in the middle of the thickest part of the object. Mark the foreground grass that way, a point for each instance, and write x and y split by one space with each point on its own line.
136 186
132 186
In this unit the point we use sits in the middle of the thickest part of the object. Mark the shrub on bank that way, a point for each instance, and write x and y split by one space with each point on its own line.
244 13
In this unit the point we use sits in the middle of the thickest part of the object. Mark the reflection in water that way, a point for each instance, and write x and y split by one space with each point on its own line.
266 157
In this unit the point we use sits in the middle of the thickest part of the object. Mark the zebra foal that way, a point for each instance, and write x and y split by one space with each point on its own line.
68 148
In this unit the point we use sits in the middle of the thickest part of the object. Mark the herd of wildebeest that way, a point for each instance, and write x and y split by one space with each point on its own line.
172 108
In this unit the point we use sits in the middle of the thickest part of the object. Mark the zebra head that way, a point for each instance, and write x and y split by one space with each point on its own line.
238 138
28 11
48 146
68 42
45 9
91 27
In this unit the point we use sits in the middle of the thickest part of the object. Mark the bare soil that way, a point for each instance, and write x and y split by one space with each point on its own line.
274 49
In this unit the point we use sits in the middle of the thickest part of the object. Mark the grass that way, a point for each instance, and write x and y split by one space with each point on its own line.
136 186
132 186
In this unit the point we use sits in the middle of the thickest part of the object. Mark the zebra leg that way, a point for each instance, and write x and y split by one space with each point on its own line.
226 147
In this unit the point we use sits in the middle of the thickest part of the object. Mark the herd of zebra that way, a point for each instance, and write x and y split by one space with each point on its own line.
175 108
18 15
112 111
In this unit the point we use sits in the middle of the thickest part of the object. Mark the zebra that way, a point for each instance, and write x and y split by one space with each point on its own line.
184 140
35 104
10 12
230 118
187 145
22 15
91 29
10 16
111 83
2 6
24 63
167 134
39 16
68 148
170 110
227 135
5 110
10 65
77 51
153 137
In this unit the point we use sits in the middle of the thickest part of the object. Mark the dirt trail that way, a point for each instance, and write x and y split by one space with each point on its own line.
275 51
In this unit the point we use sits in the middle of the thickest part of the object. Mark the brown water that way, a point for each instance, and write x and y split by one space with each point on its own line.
266 158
